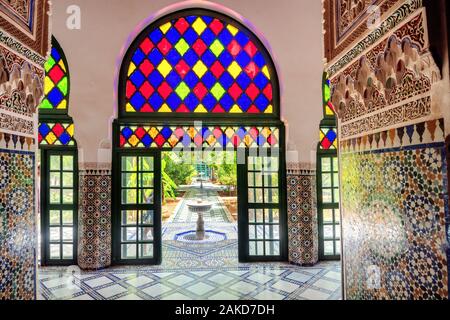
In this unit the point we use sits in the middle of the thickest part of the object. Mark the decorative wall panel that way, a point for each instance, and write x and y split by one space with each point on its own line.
302 215
394 218
347 20
23 45
26 21
392 154
94 243
17 226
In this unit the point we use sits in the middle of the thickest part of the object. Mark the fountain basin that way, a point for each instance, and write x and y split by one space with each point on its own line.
200 207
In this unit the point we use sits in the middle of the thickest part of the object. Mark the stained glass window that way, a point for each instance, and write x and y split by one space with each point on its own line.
56 83
328 138
327 105
198 64
57 134
190 136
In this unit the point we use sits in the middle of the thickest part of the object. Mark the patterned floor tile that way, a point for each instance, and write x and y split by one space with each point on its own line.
220 279
285 286
200 289
112 291
139 281
268 295
312 294
327 285
156 290
260 278
181 280
300 277
98 282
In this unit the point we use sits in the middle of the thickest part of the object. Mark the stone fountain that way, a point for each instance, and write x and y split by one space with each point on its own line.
200 207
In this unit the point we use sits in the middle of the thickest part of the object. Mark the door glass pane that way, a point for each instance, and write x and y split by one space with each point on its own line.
146 196
55 233
326 165
328 231
146 217
55 217
67 234
55 196
129 163
327 196
129 196
147 180
129 234
55 163
326 180
129 180
55 179
146 163
328 248
67 217
251 216
67 196
259 215
271 195
328 216
146 250
67 251
272 248
146 234
129 217
55 251
67 163
129 251
68 179
272 215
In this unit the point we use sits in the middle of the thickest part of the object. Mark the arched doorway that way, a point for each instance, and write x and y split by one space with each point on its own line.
191 81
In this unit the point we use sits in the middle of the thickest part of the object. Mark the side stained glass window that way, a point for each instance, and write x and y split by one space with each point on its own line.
56 83
197 64
328 180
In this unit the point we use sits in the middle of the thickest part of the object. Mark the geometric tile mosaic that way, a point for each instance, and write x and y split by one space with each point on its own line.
17 225
394 218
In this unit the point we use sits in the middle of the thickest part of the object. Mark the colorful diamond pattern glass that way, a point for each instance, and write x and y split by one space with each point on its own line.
56 83
198 64
327 105
194 137
328 138
56 134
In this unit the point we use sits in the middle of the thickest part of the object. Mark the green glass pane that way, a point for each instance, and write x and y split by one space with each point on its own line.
218 91
68 163
182 90
45 104
63 86
182 46
216 48
55 163
49 64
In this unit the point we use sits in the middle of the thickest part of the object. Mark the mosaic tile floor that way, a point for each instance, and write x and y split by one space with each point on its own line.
195 271
245 282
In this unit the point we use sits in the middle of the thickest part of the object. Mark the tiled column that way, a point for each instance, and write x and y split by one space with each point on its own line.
94 219
302 215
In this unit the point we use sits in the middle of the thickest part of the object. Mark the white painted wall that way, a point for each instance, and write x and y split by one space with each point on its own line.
293 28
